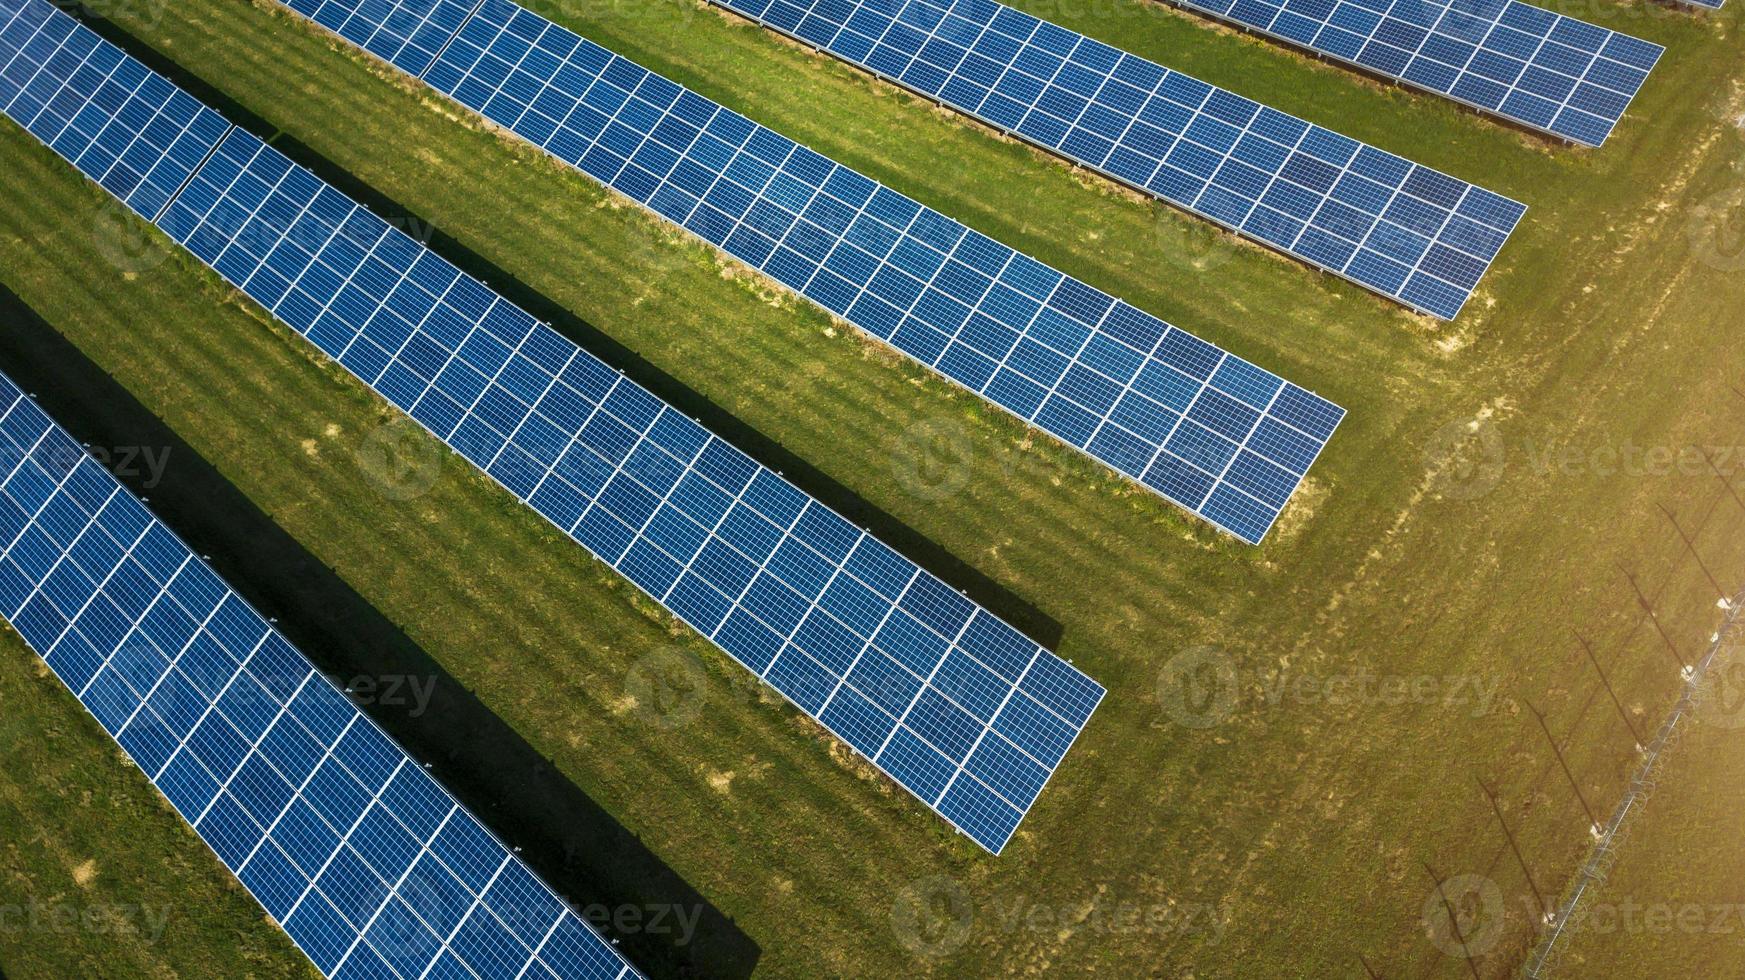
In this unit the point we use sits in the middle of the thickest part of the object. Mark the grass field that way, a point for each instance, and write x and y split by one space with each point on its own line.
1674 904
1365 666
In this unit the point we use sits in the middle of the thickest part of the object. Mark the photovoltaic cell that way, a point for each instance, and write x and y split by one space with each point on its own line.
1199 426
950 701
128 129
1408 232
1541 69
368 864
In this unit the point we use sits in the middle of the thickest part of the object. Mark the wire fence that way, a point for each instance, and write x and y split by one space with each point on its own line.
1605 850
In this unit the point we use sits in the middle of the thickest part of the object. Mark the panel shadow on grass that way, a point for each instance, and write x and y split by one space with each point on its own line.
914 544
569 840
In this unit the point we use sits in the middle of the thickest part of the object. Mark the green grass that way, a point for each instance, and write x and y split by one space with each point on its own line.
98 875
1671 905
1302 824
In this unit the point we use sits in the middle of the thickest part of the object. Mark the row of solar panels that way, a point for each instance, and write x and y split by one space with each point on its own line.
952 703
1201 427
1408 232
368 864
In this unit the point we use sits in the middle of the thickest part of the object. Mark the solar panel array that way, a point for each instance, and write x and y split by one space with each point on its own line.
1541 69
1406 231
1201 427
948 700
371 867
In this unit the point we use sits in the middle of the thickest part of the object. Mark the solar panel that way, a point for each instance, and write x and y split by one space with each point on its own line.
947 699
1408 232
365 860
129 130
1199 426
1709 4
1526 64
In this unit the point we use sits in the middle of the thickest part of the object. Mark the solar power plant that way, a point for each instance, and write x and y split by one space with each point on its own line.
1526 64
1201 427
1408 232
365 860
951 702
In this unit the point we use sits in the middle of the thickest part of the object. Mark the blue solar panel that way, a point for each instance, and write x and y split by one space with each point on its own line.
950 701
1541 69
1408 232
366 861
1199 426
124 127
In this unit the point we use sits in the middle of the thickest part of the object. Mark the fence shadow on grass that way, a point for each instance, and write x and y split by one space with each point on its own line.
917 546
573 843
